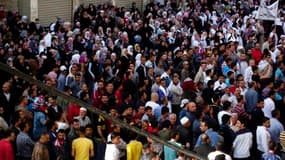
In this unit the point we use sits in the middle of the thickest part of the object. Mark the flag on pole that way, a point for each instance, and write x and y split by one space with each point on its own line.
267 12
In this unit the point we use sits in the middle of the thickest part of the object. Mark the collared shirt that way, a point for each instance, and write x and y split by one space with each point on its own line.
251 97
275 129
269 106
25 145
262 138
270 156
242 144
215 138
7 95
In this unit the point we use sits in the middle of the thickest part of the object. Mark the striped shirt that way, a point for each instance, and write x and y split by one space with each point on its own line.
239 109
282 140
242 144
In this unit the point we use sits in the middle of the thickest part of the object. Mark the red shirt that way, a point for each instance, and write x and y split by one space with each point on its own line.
72 111
256 54
6 150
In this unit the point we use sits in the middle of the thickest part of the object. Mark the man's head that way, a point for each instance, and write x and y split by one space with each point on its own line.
61 134
148 110
266 122
205 138
52 100
192 106
6 87
11 134
89 130
75 124
25 127
204 126
82 112
44 138
115 138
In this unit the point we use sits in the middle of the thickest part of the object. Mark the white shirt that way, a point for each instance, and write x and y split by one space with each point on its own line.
212 155
220 115
248 75
152 104
242 145
242 66
7 95
222 85
112 152
269 106
262 138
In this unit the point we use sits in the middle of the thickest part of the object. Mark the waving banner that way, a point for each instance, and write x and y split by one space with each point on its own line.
267 12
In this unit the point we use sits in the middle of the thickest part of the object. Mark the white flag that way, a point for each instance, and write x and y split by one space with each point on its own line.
267 12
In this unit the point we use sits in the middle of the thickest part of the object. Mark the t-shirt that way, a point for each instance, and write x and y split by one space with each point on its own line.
134 150
169 153
82 147
6 150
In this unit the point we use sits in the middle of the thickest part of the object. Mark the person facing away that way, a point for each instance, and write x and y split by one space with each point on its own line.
112 151
82 147
271 154
6 148
24 142
40 151
263 137
169 153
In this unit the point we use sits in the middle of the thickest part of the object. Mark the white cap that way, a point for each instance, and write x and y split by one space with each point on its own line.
183 102
184 120
62 68
83 109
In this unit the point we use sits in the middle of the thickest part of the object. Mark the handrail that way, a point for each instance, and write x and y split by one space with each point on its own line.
56 92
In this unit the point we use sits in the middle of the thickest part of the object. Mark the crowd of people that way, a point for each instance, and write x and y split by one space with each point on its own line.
203 75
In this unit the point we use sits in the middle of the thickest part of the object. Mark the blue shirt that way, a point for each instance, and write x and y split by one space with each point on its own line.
270 156
169 153
215 138
39 124
251 98
278 74
275 129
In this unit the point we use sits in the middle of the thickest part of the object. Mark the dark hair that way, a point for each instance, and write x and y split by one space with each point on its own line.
164 110
22 126
208 71
89 126
272 145
251 84
271 93
279 64
53 97
239 98
275 112
61 131
165 124
83 95
173 134
225 119
210 82
75 120
82 130
220 157
264 119
114 135
226 105
243 121
147 108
